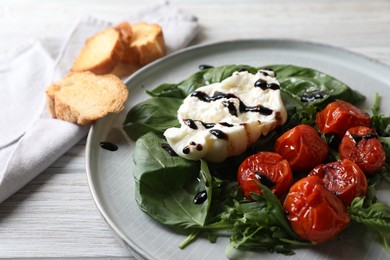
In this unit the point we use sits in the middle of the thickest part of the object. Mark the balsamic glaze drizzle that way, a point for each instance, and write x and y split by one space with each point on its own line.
358 138
230 105
109 146
265 180
219 134
260 83
243 69
313 96
205 66
264 73
169 149
208 125
190 123
226 124
242 107
269 69
200 197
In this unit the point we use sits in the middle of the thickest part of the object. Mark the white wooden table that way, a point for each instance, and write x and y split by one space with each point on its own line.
54 215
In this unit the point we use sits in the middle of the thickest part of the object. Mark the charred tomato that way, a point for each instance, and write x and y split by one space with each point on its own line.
344 178
270 169
337 117
361 145
302 147
314 212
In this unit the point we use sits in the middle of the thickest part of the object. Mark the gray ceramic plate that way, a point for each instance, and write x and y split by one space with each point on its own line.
110 173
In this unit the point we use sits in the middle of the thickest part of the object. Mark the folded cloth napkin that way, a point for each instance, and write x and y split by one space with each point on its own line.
29 139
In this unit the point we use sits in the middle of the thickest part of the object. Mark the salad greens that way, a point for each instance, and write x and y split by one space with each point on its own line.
166 184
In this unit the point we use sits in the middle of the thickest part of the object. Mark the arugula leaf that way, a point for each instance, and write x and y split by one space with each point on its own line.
379 121
386 146
262 225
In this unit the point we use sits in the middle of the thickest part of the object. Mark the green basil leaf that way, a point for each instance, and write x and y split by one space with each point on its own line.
376 216
303 82
153 115
166 90
166 185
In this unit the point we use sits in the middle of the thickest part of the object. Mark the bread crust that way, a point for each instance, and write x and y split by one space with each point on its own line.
148 42
100 60
83 97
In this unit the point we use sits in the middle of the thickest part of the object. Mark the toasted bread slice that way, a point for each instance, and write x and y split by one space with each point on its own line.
83 97
130 55
126 32
121 50
101 53
148 42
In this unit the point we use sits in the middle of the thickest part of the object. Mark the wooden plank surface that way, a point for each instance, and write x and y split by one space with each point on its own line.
54 215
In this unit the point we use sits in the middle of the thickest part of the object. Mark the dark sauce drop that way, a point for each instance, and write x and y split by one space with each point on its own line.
313 96
358 138
200 197
265 180
205 66
219 134
186 150
109 146
273 86
260 83
190 123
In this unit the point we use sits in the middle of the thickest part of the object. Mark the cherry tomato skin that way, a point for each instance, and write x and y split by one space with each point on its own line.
315 213
338 116
361 145
344 178
270 169
302 147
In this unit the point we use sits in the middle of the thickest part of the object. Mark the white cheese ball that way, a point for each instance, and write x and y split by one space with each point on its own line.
222 119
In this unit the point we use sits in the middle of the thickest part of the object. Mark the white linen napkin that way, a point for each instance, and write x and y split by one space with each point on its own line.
30 140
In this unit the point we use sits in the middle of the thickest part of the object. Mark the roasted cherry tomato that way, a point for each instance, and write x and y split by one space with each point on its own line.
344 178
268 168
361 145
337 117
314 212
302 147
